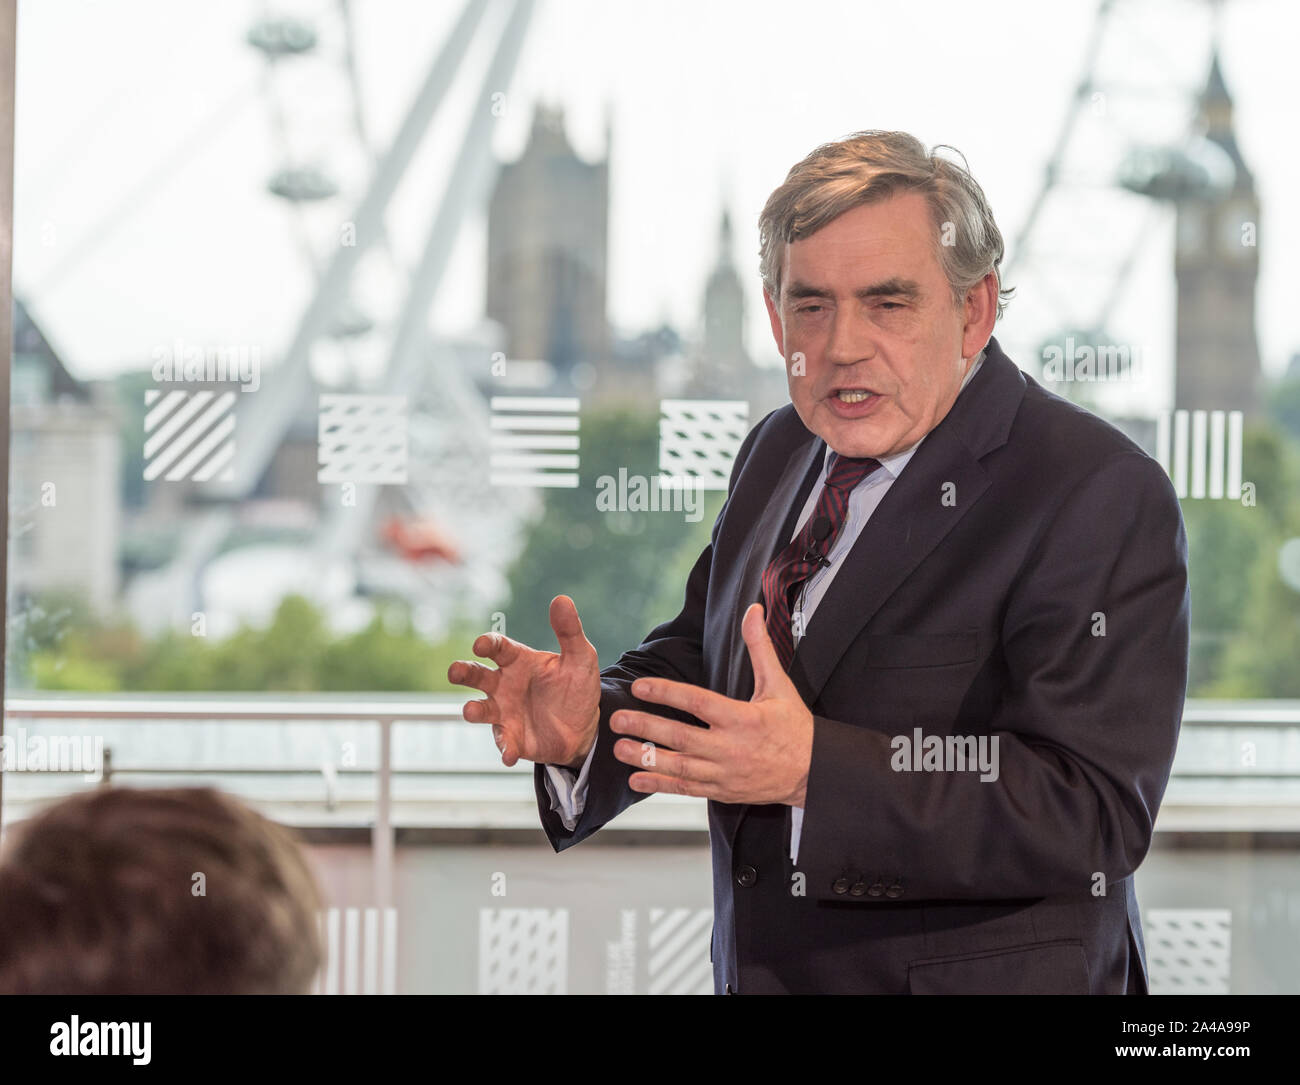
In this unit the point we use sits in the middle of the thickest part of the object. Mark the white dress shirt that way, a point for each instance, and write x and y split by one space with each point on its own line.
569 794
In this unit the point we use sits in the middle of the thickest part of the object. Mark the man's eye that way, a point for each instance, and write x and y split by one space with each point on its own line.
812 309
891 305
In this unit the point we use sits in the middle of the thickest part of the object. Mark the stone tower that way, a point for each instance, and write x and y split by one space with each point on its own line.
547 249
1216 267
722 365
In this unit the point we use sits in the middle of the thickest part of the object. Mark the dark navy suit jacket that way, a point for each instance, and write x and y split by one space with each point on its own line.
1024 579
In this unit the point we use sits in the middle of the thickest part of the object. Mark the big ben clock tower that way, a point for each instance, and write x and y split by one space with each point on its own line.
1216 266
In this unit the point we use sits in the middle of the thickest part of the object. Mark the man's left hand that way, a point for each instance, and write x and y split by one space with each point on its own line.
755 751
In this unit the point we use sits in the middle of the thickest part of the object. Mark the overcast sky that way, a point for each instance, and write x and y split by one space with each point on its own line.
145 136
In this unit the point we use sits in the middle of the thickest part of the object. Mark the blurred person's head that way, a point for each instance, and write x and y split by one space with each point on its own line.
167 891
879 264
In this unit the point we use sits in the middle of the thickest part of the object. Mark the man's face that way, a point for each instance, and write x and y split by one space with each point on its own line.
873 344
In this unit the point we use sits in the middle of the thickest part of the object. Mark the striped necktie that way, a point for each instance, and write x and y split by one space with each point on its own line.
808 550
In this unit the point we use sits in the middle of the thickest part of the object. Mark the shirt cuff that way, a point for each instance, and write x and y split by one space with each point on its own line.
569 795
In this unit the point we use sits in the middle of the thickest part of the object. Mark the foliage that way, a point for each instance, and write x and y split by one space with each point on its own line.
627 572
1260 656
623 569
294 653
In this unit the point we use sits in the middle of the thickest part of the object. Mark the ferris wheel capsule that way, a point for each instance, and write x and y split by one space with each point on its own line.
302 184
350 321
278 37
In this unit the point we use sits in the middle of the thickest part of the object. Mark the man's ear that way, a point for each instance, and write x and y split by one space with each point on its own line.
981 311
774 315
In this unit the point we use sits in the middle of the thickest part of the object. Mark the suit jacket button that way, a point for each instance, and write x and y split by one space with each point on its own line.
746 876
894 890
876 889
840 885
857 889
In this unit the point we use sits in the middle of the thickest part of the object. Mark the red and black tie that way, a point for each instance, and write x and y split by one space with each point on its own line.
808 550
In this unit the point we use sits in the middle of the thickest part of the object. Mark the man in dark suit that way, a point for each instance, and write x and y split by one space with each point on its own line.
930 670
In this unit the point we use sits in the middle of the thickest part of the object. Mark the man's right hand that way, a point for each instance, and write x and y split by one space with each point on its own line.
543 706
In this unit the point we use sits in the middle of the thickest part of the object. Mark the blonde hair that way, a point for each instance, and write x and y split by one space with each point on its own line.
873 165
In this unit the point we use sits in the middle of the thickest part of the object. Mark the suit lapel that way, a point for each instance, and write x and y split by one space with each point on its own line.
905 528
941 483
771 532
910 521
770 535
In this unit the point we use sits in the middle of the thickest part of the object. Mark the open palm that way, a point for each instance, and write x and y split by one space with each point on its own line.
543 706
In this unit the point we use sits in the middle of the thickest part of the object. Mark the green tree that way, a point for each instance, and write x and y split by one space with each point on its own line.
623 569
1224 543
390 655
286 656
1284 406
1261 656
296 652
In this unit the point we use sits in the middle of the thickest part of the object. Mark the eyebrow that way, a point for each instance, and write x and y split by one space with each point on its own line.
895 288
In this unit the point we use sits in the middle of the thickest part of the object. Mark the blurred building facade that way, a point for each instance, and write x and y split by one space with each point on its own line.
548 254
65 476
547 285
722 366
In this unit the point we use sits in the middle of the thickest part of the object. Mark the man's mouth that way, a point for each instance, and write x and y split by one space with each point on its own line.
854 402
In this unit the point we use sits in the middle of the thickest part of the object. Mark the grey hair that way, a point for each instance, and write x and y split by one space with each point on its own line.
873 165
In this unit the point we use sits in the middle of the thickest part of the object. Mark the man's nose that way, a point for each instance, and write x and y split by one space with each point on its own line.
851 338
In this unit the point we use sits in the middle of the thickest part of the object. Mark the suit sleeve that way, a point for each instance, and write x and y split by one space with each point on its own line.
672 650
1085 731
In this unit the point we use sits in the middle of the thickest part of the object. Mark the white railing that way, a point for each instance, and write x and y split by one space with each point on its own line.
384 710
